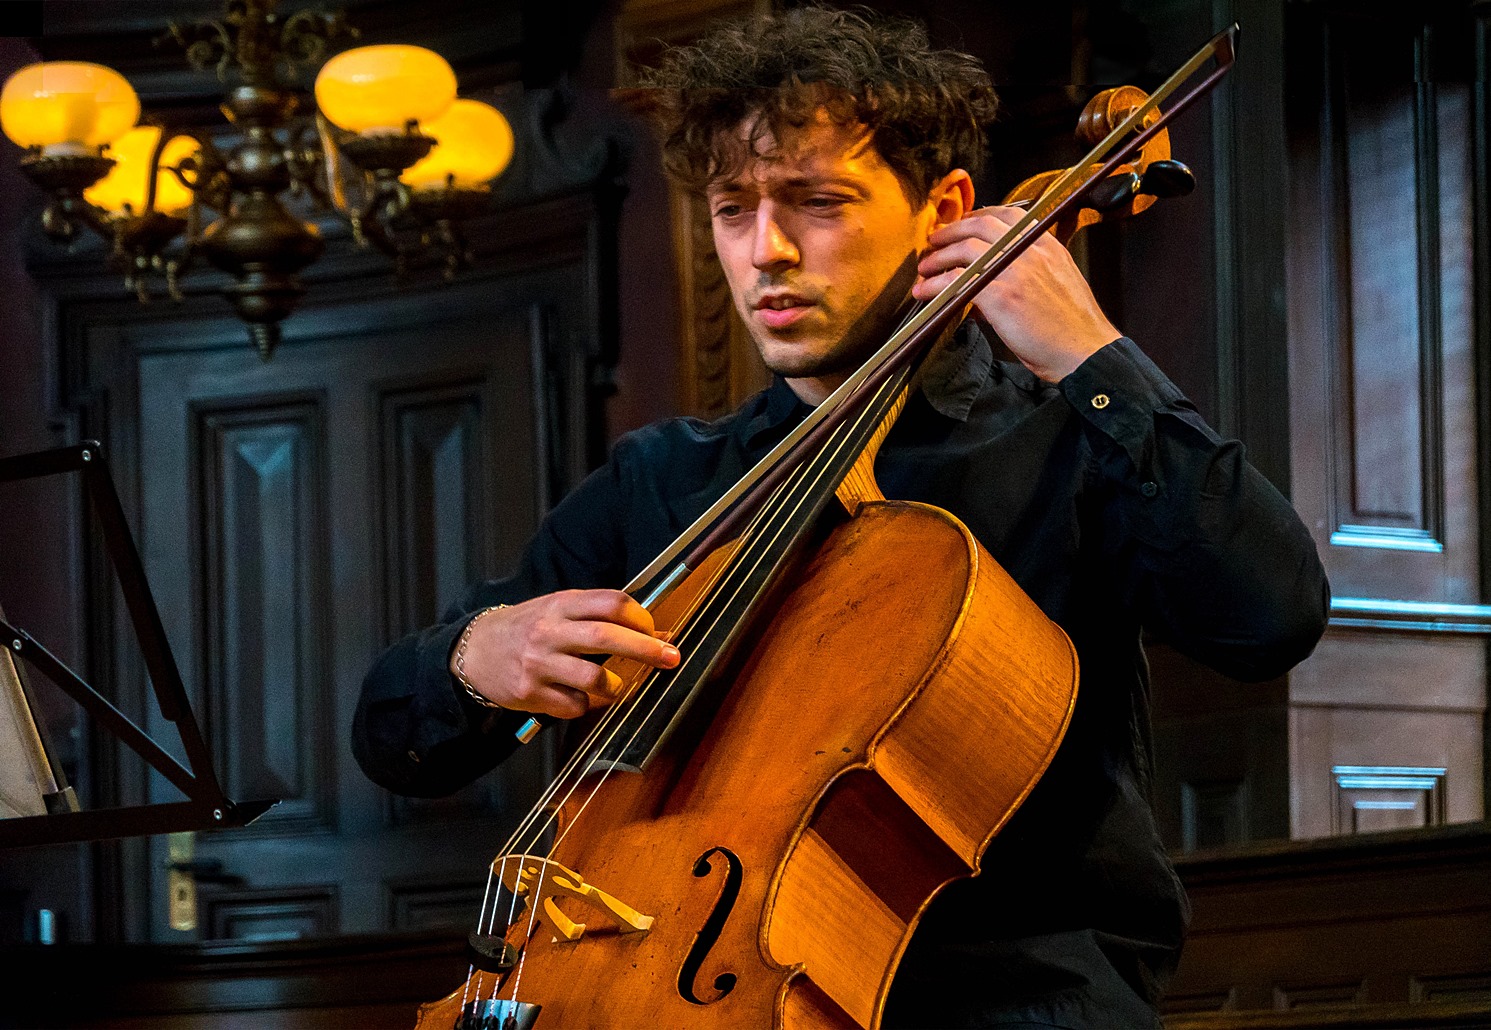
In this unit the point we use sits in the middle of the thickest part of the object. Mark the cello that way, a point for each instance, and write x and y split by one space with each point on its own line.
749 838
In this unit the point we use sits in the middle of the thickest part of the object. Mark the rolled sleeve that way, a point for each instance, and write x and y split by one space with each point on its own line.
1200 544
415 732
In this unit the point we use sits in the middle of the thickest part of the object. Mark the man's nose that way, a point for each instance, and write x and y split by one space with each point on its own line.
772 249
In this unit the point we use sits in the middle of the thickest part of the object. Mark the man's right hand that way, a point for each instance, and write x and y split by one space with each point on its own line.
527 657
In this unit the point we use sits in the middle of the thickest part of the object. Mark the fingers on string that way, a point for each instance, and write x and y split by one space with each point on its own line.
609 638
616 606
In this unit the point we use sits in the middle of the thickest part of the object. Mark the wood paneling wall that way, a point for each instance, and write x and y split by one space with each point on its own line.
1350 232
1385 721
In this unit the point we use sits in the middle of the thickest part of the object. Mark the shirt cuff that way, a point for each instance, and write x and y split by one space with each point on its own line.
1117 391
440 711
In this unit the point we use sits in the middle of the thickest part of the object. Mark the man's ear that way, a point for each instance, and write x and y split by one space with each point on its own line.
951 198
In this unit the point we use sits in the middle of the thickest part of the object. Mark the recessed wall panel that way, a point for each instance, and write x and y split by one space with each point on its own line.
1383 346
263 552
433 499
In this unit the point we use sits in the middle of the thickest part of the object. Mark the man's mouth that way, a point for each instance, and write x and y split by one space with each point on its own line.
781 310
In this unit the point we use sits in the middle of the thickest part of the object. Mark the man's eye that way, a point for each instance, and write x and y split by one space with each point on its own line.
728 210
824 203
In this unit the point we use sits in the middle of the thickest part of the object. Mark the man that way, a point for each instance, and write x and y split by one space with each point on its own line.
835 155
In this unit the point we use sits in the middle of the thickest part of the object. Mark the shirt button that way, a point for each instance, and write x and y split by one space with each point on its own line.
414 758
1100 401
1149 489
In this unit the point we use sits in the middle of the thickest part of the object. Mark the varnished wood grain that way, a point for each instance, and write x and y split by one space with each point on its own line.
879 664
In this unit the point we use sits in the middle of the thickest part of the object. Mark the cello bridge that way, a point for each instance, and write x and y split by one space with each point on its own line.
541 882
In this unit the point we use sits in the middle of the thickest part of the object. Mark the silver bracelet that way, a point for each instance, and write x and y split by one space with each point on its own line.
459 662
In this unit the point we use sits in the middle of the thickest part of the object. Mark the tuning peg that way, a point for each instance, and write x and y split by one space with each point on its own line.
1112 193
1167 179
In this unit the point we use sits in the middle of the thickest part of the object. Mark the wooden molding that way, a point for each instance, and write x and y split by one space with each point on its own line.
321 982
1410 616
1372 930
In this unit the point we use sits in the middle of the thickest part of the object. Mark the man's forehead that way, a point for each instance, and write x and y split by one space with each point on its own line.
822 148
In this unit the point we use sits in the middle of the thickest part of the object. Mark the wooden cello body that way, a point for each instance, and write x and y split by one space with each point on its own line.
898 705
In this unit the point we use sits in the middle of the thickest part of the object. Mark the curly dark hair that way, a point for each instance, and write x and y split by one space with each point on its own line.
926 109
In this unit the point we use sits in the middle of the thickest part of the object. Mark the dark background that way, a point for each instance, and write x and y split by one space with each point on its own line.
1322 296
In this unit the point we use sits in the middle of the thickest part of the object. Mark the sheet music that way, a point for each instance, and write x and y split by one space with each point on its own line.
25 777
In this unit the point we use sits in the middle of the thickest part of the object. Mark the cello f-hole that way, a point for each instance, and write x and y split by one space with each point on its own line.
710 931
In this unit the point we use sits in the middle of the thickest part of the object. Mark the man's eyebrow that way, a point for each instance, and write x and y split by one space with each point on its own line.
796 182
811 182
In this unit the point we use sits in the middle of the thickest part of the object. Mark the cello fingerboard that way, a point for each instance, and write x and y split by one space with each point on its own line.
658 706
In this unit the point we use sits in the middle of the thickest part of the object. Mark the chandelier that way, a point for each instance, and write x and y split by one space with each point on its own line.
389 149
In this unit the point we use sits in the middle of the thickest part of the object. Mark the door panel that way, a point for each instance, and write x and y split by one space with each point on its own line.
295 517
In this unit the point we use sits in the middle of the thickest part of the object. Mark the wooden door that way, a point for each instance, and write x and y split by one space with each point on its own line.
1387 201
295 517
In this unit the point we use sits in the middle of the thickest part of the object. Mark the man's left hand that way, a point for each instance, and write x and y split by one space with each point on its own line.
1041 306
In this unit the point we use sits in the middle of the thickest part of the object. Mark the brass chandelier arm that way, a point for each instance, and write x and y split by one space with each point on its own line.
387 215
246 36
64 179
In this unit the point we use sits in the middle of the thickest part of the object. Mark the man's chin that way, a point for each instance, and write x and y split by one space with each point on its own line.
806 359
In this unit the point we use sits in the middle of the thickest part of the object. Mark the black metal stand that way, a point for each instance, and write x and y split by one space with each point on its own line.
206 807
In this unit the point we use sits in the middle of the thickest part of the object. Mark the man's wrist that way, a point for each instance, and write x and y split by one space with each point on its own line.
458 659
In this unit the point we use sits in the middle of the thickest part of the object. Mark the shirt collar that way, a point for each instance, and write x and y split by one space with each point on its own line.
952 377
956 371
779 407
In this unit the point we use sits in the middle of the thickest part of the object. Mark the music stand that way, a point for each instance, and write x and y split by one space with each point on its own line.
206 807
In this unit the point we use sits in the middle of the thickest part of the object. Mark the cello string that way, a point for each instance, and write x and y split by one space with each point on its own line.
481 917
536 891
783 499
536 895
790 503
780 502
486 922
811 475
809 479
683 620
639 693
639 689
488 918
614 712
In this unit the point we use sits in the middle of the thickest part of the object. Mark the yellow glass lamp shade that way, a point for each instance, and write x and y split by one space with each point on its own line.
473 144
67 106
381 88
129 179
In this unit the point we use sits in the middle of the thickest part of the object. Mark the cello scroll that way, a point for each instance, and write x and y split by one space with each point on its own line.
1130 188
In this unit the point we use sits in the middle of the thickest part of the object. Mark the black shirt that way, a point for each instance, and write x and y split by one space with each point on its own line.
1111 503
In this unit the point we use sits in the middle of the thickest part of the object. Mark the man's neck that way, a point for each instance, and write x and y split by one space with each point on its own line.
815 391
